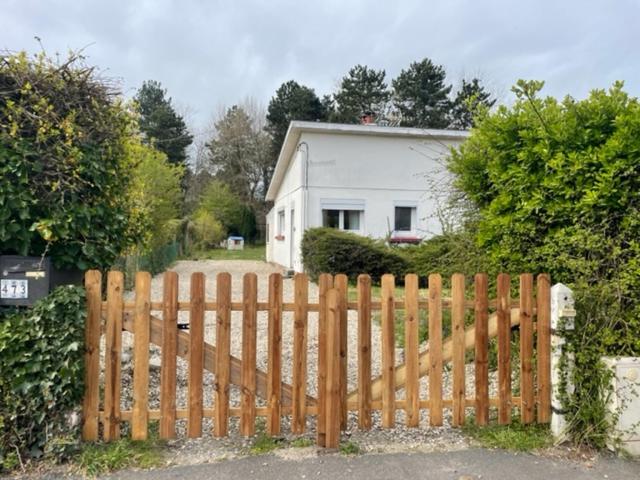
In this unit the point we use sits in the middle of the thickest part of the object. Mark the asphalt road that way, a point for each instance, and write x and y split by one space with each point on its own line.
459 465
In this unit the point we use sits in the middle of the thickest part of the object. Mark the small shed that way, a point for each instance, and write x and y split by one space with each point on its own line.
235 243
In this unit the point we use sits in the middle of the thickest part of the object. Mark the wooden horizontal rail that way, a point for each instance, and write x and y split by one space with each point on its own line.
125 415
290 307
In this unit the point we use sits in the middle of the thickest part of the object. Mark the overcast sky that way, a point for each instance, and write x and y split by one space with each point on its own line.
212 53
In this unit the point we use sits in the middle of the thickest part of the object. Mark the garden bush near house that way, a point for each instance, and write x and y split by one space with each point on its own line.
327 250
449 253
556 184
41 377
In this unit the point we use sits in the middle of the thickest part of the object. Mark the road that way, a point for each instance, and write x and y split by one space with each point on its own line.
459 465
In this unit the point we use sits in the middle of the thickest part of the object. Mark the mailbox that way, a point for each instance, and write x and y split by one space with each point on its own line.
23 280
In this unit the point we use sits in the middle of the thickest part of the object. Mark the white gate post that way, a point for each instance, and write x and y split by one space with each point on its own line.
562 319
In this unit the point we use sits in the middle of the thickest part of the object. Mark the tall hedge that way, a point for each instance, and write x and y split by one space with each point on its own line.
556 184
64 172
327 250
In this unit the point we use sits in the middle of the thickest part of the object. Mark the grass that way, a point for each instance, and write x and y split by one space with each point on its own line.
250 252
99 458
301 442
349 448
514 437
265 444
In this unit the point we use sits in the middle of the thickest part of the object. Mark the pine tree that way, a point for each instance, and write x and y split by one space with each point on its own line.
362 91
471 97
292 101
421 95
160 123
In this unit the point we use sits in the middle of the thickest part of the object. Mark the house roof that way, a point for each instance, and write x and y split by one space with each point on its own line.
296 128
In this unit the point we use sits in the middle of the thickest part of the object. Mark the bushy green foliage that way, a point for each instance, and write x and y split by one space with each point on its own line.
64 171
327 250
155 192
208 232
556 184
236 217
447 254
41 375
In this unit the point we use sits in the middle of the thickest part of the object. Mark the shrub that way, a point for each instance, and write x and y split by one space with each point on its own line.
447 254
326 250
64 168
556 187
208 231
41 376
227 207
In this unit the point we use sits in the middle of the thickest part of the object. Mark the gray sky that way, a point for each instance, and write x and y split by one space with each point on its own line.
212 53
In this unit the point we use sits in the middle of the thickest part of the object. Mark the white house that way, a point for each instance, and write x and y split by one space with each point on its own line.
368 179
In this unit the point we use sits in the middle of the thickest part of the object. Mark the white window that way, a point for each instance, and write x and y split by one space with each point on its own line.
343 219
280 231
405 219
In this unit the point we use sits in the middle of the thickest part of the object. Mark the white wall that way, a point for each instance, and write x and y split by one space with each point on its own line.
377 172
384 172
289 198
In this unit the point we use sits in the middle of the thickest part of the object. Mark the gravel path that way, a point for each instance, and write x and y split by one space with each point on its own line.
378 439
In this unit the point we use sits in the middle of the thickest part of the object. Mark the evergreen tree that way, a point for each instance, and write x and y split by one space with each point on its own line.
471 97
421 95
362 90
292 101
160 123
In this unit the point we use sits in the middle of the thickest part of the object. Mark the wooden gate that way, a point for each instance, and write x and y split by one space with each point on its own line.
472 319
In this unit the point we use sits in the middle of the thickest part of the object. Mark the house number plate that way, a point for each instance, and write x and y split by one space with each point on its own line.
14 288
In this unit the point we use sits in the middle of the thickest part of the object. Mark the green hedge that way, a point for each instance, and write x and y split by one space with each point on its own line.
41 376
326 250
447 254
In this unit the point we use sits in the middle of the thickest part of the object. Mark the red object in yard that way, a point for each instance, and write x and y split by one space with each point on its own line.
411 240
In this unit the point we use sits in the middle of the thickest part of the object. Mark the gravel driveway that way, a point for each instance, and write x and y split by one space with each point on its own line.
376 439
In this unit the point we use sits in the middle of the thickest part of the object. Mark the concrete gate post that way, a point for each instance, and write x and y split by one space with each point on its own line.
562 320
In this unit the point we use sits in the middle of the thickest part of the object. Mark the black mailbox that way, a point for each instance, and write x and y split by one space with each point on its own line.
23 280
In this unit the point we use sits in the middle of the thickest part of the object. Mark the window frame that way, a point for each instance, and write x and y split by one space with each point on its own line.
413 214
341 219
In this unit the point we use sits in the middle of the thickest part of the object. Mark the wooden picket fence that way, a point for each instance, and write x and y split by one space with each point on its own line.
491 318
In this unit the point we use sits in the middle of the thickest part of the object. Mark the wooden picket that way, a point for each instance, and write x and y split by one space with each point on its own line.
364 351
412 344
249 338
301 299
481 312
435 350
388 351
168 366
140 414
474 321
196 355
91 407
223 354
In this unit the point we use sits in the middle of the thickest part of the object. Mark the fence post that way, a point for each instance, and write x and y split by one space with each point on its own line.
333 413
562 319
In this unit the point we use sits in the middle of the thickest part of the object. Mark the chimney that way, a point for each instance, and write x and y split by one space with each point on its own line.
368 118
